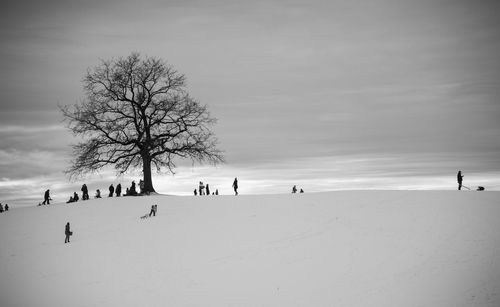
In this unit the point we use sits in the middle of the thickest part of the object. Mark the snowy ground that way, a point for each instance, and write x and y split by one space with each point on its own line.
356 248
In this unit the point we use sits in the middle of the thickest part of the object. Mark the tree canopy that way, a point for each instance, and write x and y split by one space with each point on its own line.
138 114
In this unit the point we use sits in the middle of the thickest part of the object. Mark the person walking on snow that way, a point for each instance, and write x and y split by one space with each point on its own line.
460 179
235 186
67 232
46 198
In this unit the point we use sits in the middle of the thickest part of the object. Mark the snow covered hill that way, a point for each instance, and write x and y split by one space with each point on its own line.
353 248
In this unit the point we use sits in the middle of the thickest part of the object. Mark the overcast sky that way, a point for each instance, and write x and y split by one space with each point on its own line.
327 95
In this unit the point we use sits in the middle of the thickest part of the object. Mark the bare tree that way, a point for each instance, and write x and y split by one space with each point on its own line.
136 114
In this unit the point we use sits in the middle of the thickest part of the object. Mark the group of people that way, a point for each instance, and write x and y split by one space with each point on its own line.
112 192
294 190
205 189
2 208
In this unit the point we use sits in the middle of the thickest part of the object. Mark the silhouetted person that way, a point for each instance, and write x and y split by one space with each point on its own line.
479 188
460 179
301 191
153 210
195 192
216 191
141 186
67 232
46 198
201 188
118 190
75 197
207 189
97 193
111 190
85 192
294 189
1 208
7 206
235 186
132 190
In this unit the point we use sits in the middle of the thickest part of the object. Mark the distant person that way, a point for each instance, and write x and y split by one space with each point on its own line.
294 189
201 188
141 186
6 207
118 190
153 210
132 190
67 232
301 191
70 200
85 192
111 190
75 197
207 189
46 198
459 180
479 188
235 186
195 192
216 191
1 208
97 193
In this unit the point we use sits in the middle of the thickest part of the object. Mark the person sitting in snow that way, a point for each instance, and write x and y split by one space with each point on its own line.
97 193
75 197
70 200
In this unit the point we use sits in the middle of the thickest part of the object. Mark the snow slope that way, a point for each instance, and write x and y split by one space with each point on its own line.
353 248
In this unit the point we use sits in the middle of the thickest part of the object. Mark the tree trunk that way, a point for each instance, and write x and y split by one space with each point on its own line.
146 170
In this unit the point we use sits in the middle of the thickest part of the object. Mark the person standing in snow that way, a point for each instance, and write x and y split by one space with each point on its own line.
118 190
459 180
1 208
235 186
111 190
208 189
67 232
294 189
85 192
202 187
